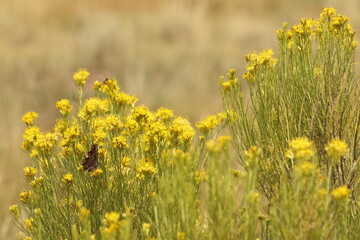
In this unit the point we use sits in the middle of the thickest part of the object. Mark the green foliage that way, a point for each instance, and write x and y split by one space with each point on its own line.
112 170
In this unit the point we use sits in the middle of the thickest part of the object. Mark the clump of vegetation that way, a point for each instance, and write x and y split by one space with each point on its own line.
110 169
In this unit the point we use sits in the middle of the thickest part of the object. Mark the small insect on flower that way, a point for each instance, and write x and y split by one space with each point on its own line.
91 161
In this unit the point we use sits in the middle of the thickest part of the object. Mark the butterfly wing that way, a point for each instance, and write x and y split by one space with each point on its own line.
91 161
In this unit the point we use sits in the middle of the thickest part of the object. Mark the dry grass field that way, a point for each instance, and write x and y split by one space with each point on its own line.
166 52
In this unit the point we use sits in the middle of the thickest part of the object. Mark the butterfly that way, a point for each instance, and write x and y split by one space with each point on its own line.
91 161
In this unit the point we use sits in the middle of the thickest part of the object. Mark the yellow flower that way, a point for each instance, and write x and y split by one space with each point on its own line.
341 192
80 77
200 176
97 173
328 13
164 114
142 114
181 236
208 124
68 178
25 196
70 135
29 224
29 118
120 142
132 125
146 168
146 228
305 168
99 136
94 107
109 86
218 145
112 122
336 149
84 214
37 182
123 99
112 217
64 106
14 209
44 142
30 172
301 148
181 130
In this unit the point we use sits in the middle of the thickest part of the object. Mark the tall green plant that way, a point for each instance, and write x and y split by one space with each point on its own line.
309 90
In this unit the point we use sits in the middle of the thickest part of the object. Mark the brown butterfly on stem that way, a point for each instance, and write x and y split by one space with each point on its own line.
91 161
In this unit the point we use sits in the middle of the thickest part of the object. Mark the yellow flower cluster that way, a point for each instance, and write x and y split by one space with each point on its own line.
111 88
70 135
257 62
298 36
209 123
218 145
30 172
120 143
64 106
14 209
146 168
336 149
68 178
305 168
341 192
94 107
232 82
80 77
301 149
29 118
25 196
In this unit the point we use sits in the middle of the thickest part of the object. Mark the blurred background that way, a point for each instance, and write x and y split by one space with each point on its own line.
168 53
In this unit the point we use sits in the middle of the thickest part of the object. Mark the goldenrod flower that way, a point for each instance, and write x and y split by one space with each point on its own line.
146 168
209 123
68 178
200 176
29 118
146 228
123 99
29 224
99 136
181 236
112 217
84 214
305 168
64 106
219 144
96 173
94 107
112 122
142 114
120 142
44 142
80 77
70 135
341 192
37 182
25 196
164 114
336 149
301 148
14 209
30 172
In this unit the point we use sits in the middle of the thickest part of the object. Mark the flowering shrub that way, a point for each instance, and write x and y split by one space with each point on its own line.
111 169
